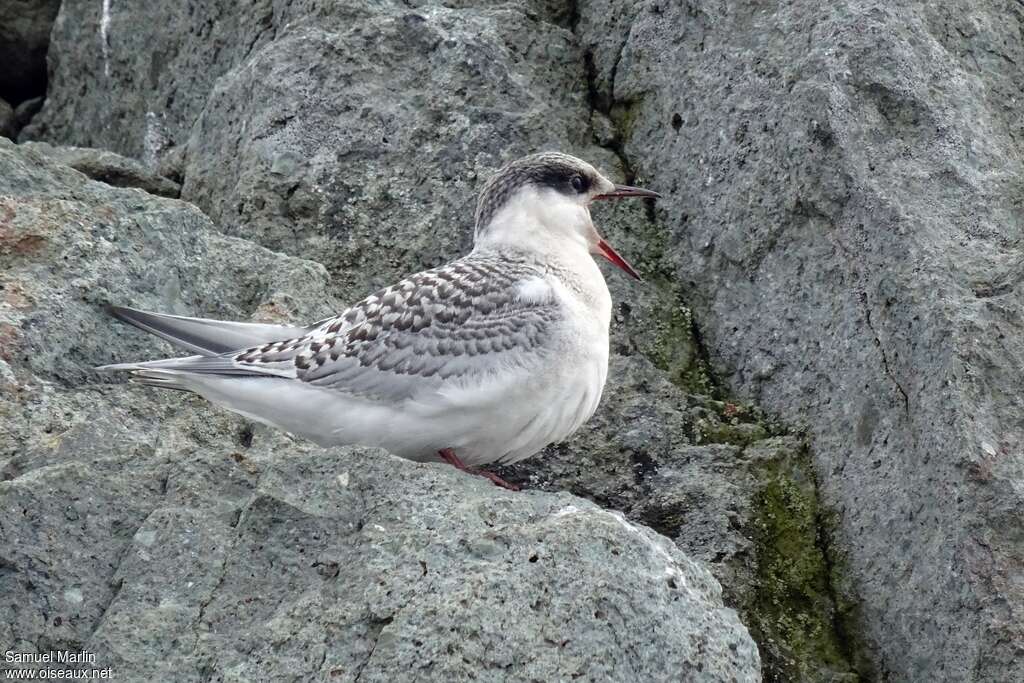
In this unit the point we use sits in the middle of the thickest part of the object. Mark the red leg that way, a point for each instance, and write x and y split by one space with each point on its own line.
448 455
495 479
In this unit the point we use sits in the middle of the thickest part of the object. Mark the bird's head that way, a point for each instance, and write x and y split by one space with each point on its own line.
543 201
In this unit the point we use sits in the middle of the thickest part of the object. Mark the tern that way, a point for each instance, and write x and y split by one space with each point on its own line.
487 359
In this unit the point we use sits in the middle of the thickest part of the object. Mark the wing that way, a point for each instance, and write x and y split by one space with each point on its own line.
203 336
454 322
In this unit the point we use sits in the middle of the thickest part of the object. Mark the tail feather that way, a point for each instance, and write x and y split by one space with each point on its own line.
161 379
204 336
149 364
223 365
214 343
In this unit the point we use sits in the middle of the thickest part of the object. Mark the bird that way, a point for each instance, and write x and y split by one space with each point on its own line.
484 360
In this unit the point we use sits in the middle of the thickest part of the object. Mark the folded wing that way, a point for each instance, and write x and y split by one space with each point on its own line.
459 321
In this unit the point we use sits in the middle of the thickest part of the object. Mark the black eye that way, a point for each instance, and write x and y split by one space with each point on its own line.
579 183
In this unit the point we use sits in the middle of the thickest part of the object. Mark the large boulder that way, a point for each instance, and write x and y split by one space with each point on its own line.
846 181
108 167
68 246
730 488
300 563
172 540
341 132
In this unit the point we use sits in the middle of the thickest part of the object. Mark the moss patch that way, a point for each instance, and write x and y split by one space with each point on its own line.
670 340
624 114
792 612
670 344
791 609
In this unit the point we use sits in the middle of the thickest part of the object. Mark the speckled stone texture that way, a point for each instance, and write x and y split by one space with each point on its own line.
339 567
846 192
108 167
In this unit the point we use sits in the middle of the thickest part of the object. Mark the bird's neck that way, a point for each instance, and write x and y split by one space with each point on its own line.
542 223
553 237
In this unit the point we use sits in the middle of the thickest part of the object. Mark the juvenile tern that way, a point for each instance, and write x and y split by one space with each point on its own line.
487 359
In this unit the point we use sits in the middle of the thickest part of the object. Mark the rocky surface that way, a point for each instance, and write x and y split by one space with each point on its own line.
13 119
6 120
731 489
848 185
107 167
842 189
369 162
173 540
285 562
24 112
364 576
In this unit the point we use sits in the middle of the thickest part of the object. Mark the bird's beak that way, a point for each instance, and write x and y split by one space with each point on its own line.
622 191
605 249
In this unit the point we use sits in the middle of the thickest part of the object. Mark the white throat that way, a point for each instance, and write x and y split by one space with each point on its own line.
540 220
558 229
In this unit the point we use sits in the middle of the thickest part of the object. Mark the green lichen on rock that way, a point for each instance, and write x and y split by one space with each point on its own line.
782 586
729 432
624 114
670 344
667 334
793 612
732 422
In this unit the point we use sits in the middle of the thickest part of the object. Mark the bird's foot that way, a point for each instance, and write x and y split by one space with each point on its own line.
495 479
448 455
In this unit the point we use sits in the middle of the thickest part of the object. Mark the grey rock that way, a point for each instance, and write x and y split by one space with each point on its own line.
140 250
107 167
24 37
175 541
338 565
69 245
6 120
108 63
844 190
12 120
730 488
24 112
382 137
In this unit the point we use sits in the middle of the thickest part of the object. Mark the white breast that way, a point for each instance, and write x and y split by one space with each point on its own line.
553 401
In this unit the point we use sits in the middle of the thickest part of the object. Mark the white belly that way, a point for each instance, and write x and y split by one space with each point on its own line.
506 426
506 420
544 411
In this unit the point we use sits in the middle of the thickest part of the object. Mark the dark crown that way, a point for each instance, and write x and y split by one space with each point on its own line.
561 172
